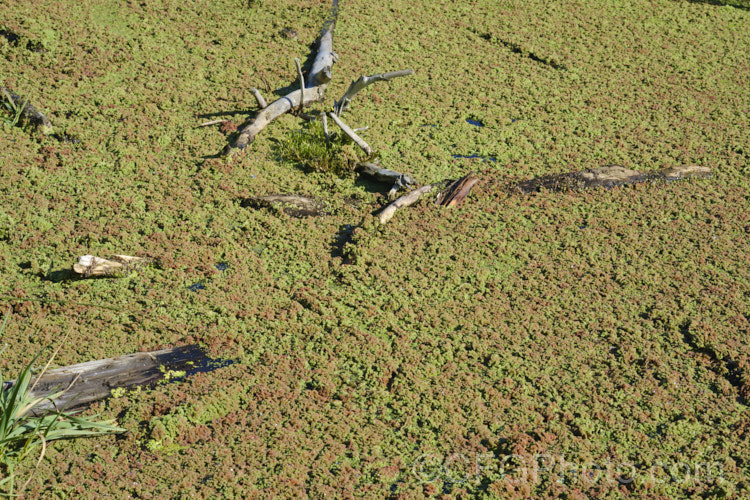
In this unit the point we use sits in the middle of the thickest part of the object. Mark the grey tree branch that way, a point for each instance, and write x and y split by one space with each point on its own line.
301 79
320 75
270 113
258 97
342 104
352 134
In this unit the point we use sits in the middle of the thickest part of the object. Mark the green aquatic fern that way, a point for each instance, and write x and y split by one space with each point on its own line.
26 425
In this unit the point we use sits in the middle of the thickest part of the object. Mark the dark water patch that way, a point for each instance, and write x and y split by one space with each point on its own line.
10 36
196 286
475 157
474 122
222 266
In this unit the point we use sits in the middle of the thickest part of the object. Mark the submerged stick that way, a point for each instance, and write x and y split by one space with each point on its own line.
342 104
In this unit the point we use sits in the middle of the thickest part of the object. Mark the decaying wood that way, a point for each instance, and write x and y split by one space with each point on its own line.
117 265
294 205
320 75
356 86
684 172
94 380
406 200
352 134
607 177
29 112
396 179
455 193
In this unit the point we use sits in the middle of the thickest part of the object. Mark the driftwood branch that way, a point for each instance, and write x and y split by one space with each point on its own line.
396 179
118 265
342 104
320 75
352 134
406 200
268 114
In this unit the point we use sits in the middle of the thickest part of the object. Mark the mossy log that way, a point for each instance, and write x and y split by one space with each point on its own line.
607 177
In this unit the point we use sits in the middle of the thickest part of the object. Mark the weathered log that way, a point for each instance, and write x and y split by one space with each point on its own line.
607 177
406 200
293 205
117 265
94 380
320 75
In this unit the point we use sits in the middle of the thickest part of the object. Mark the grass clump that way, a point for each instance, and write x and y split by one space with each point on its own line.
23 430
309 148
14 110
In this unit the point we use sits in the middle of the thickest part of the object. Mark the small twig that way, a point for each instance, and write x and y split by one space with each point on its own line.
342 104
258 97
325 128
212 122
348 131
301 84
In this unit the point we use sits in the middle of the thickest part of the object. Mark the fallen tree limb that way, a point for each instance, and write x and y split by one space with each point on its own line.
268 114
343 104
320 75
94 380
406 200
